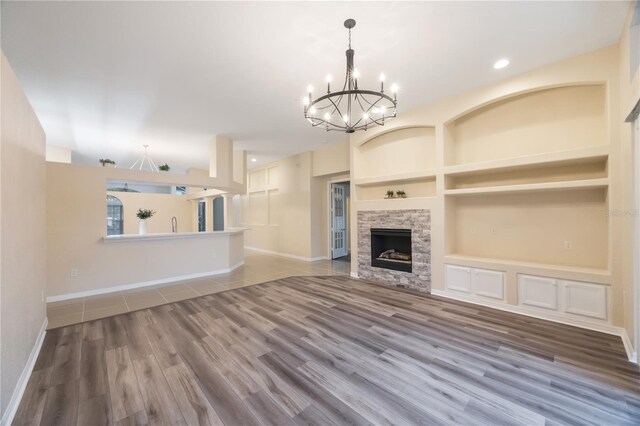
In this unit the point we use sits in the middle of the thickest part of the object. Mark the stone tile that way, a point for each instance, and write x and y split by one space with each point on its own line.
186 294
65 307
103 301
208 287
55 321
419 221
104 312
146 299
169 289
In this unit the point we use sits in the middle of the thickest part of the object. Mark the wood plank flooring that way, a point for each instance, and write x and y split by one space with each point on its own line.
328 351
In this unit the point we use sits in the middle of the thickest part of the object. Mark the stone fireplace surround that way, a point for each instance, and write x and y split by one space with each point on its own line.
419 221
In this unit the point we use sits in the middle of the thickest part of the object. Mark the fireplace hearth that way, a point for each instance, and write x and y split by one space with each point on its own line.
391 249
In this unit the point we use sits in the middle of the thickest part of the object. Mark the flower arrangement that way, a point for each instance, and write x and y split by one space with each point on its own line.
105 161
165 167
401 194
389 194
145 214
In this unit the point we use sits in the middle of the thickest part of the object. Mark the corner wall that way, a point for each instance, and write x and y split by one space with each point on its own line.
23 233
286 207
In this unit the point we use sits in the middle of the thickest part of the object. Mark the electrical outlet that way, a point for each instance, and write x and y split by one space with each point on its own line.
74 272
568 245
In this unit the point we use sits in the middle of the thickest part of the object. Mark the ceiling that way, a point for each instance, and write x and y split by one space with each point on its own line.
107 77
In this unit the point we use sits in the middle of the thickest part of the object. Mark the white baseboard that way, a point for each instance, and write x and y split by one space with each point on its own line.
354 275
628 346
21 386
559 318
290 256
167 280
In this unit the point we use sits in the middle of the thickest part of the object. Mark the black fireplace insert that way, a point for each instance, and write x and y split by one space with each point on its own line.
391 249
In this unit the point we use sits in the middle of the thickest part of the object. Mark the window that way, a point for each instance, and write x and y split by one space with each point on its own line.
115 223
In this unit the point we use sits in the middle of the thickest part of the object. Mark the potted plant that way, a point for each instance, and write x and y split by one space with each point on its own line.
389 194
143 215
401 194
106 162
164 168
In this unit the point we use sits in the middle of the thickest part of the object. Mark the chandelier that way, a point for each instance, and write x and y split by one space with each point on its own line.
145 160
351 108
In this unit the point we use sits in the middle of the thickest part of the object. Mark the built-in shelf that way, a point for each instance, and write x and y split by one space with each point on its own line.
562 158
602 276
396 178
532 187
394 203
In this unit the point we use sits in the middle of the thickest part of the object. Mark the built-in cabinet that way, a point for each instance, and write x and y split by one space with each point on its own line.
556 295
564 296
475 281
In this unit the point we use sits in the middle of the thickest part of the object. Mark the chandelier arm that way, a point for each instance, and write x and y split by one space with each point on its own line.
321 121
336 108
371 104
353 92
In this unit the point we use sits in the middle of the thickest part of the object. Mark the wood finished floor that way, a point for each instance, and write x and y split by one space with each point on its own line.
328 351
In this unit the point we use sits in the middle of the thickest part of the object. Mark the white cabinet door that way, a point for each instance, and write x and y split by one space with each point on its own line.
540 292
488 283
458 278
585 299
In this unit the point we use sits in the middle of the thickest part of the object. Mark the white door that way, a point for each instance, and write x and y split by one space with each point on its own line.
338 222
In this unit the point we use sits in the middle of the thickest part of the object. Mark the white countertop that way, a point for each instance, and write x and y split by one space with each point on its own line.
172 235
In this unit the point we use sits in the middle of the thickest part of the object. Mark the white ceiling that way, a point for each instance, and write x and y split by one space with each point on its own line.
106 77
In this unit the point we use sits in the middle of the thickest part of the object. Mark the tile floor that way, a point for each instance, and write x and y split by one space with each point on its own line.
258 268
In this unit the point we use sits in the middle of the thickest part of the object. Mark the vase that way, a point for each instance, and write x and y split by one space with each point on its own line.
142 227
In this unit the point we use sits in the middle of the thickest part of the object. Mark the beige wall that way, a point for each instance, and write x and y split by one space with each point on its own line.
277 206
75 207
591 102
165 205
623 225
286 204
331 159
58 154
22 230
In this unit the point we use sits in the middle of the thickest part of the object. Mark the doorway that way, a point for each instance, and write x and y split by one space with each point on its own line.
339 213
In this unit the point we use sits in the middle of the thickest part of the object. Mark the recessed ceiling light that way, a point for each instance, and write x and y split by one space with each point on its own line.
253 160
501 64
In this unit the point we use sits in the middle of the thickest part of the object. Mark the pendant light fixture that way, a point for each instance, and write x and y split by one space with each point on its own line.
351 108
145 160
